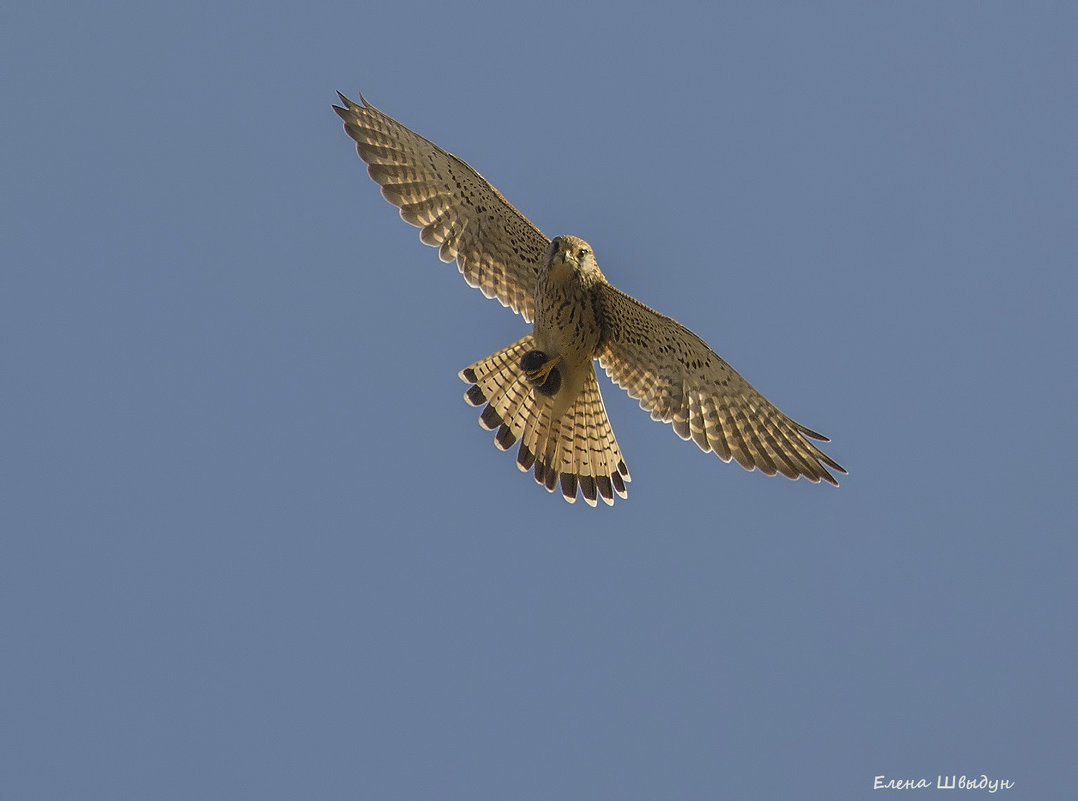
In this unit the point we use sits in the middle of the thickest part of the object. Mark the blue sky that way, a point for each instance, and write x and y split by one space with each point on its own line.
255 544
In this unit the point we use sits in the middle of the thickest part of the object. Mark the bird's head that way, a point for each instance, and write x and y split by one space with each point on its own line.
567 256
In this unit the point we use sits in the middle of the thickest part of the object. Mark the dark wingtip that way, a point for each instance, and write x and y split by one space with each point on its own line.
350 104
827 460
822 475
808 432
342 112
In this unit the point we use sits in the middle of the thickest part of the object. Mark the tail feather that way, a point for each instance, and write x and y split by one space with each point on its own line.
542 444
576 452
511 400
602 443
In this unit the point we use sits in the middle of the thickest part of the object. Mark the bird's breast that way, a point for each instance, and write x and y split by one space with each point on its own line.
566 323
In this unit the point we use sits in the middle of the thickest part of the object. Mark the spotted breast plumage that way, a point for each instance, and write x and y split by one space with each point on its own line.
541 391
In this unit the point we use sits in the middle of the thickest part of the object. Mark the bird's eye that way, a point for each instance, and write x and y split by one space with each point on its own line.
582 253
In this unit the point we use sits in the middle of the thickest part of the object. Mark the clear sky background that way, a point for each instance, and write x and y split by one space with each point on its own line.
255 545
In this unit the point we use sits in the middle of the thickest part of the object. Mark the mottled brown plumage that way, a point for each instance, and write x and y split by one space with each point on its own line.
541 391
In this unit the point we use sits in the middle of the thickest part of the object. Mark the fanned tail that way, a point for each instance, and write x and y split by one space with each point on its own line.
577 451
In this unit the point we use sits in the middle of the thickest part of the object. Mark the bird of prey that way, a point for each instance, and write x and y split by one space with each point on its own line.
541 391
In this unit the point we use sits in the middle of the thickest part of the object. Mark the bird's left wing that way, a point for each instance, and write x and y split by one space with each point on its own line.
681 381
496 248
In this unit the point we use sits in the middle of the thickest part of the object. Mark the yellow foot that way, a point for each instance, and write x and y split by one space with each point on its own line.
541 372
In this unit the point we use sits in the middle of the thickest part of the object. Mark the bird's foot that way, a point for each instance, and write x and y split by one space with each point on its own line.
542 373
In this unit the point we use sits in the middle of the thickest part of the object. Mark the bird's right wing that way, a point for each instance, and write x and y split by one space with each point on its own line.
495 246
681 381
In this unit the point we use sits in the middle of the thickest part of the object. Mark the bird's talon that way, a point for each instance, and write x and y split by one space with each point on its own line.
541 372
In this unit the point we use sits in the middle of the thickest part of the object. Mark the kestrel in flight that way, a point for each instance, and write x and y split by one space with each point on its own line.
542 390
